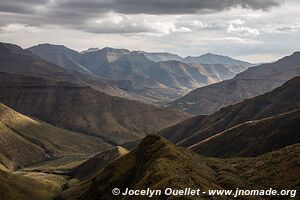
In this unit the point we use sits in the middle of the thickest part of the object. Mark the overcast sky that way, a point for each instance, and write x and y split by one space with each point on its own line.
252 30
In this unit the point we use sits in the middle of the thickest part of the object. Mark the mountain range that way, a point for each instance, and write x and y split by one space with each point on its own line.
158 77
76 125
252 82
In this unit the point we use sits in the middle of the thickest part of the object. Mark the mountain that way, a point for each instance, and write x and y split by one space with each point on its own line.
118 64
60 55
161 81
252 82
150 77
161 56
15 60
83 109
20 187
253 138
157 164
236 66
194 130
25 140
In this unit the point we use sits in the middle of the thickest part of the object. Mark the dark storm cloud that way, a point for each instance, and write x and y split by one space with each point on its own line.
164 6
78 14
138 6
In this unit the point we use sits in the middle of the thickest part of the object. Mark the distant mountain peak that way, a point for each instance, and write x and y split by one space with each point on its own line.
49 45
92 49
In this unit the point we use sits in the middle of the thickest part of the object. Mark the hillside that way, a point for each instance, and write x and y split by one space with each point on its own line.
194 130
253 138
252 82
157 164
83 109
26 140
97 163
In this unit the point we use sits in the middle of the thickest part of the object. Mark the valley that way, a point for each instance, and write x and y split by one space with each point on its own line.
77 125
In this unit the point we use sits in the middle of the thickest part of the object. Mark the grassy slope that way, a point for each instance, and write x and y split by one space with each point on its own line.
254 137
15 187
25 140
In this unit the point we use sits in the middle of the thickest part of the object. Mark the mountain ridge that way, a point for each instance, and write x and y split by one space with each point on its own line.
153 163
194 130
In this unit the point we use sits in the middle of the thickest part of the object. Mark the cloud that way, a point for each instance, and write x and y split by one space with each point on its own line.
78 14
188 27
137 6
237 22
11 28
242 30
165 6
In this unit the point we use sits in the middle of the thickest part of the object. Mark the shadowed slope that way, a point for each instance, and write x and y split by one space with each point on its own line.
283 99
253 138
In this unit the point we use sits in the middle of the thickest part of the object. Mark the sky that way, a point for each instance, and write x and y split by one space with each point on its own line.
251 30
